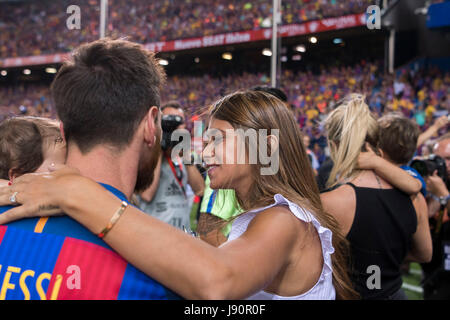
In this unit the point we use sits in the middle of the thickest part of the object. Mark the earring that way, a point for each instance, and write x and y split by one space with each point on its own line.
151 144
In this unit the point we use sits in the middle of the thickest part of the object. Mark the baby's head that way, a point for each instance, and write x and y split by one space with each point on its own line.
29 144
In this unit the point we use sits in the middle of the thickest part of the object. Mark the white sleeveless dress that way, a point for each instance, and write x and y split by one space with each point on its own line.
323 289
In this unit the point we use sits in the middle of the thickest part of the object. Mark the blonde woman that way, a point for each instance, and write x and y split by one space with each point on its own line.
284 246
383 224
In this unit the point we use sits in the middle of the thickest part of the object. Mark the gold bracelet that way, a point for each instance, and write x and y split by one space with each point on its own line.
113 220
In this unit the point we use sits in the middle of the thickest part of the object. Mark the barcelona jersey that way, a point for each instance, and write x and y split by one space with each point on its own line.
57 258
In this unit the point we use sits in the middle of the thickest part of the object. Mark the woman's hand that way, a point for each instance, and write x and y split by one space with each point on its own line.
36 194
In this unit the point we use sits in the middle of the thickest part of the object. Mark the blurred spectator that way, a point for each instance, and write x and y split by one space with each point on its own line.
312 157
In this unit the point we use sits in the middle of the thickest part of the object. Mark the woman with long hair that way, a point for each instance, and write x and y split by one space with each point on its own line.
283 246
383 224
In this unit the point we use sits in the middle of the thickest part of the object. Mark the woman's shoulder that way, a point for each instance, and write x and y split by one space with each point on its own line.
282 213
339 194
271 227
275 216
340 203
283 206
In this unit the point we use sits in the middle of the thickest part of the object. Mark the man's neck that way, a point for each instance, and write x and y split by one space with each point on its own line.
102 165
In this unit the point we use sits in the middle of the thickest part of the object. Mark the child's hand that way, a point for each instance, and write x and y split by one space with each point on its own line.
367 160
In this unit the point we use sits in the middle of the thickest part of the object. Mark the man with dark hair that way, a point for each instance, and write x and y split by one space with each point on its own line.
169 197
107 98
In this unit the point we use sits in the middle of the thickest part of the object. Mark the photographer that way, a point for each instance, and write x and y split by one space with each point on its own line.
438 181
168 198
436 282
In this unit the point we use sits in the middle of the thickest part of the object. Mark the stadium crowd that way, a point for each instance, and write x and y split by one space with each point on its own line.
422 95
42 28
373 210
345 179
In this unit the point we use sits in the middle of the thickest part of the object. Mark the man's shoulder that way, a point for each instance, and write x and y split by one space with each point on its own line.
63 226
27 224
59 248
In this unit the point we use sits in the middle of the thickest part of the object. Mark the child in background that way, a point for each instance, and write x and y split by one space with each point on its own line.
29 144
398 143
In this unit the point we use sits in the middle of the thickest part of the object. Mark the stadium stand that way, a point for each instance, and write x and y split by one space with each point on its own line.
418 94
42 28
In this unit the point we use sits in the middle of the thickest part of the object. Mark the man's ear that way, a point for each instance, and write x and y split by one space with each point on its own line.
152 125
61 130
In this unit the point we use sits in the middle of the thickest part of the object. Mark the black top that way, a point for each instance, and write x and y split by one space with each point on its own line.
381 233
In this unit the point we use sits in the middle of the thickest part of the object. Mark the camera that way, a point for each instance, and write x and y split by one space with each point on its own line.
432 163
169 123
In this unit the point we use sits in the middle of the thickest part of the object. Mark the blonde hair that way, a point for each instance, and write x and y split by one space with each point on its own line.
349 127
